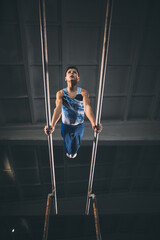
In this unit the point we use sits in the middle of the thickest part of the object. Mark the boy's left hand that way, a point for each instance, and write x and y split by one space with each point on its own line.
97 128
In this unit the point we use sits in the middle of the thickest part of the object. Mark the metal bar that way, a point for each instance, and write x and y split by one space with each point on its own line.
104 60
96 217
46 92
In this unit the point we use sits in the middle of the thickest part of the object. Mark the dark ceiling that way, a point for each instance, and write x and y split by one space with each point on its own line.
127 173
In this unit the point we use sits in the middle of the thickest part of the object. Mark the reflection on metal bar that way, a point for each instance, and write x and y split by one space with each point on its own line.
104 60
96 217
46 92
46 222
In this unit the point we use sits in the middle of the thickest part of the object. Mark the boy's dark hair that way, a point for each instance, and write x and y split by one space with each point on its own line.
72 67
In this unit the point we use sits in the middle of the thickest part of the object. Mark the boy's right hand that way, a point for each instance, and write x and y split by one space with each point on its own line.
49 130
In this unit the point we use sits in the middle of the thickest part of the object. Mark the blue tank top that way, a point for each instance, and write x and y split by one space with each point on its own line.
72 108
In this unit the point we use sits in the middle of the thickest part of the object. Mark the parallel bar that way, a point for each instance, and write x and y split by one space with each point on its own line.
46 92
104 60
96 217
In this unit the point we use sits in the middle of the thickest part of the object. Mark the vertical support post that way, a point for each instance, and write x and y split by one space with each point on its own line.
104 60
46 222
43 34
96 217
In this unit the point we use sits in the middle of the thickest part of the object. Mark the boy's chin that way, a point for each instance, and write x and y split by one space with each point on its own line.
72 80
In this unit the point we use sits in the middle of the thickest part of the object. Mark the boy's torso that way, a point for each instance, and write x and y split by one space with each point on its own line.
72 108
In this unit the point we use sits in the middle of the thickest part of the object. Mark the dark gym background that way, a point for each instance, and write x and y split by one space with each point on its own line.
127 173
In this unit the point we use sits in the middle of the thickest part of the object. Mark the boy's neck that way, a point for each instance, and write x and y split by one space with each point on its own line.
72 86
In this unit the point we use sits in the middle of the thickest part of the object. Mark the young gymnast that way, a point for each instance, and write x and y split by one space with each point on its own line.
72 102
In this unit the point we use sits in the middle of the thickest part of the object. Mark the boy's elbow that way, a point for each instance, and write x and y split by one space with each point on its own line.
58 109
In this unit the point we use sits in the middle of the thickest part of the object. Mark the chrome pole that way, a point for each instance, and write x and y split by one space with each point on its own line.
104 60
43 34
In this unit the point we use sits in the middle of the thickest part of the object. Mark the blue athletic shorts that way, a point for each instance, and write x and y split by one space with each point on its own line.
72 135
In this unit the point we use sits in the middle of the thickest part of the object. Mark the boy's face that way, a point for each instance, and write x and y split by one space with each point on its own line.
72 75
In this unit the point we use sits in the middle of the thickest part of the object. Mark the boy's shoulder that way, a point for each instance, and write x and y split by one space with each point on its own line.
84 92
59 94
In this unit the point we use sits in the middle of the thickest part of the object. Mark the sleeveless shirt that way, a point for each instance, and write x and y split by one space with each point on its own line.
72 108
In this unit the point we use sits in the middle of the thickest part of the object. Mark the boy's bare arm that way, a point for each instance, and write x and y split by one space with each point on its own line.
88 111
56 115
58 109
